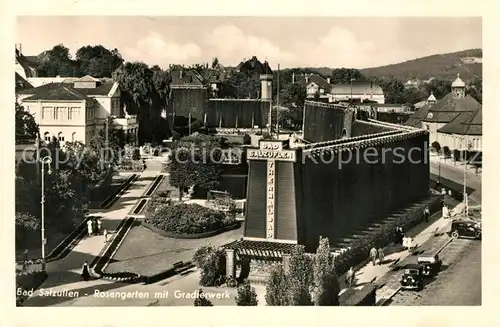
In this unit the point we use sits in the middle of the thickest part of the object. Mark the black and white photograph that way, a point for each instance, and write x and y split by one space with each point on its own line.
248 161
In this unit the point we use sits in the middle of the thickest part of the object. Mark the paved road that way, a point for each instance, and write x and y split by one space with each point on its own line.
460 284
456 174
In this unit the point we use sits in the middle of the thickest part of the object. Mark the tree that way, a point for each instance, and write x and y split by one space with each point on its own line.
326 284
246 295
300 277
140 96
344 75
446 152
276 286
97 61
195 160
215 62
241 85
26 126
201 301
57 62
438 87
436 146
211 262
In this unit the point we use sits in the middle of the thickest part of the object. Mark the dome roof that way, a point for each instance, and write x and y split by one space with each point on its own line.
458 82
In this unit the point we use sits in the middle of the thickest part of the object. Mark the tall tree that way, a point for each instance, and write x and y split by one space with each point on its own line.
326 284
139 96
26 126
98 61
276 287
300 277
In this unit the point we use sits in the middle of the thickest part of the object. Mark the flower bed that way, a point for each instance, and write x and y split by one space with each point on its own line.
188 219
124 276
26 282
227 228
384 235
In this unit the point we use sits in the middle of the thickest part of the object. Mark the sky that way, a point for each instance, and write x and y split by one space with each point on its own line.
335 42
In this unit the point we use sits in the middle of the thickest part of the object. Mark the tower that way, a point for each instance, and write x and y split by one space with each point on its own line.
458 87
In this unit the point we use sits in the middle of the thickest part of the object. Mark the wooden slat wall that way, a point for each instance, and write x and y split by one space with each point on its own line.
255 224
286 218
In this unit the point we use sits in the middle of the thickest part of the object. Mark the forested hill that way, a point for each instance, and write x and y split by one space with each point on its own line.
440 66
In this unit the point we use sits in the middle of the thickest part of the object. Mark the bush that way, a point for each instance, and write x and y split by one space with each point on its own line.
436 146
155 203
27 281
131 165
246 295
212 263
186 219
201 301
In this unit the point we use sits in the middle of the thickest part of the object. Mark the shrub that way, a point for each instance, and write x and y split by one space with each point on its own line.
436 146
186 219
155 203
246 295
201 301
327 287
212 263
163 194
276 287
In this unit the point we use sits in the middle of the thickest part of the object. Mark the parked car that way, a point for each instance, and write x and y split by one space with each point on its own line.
466 228
431 264
413 277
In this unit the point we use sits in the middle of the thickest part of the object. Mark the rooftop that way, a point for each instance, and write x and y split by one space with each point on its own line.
57 92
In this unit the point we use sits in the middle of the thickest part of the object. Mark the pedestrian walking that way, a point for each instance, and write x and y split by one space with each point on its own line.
349 278
427 214
380 255
105 233
373 255
85 271
446 212
144 164
99 225
449 193
89 227
25 259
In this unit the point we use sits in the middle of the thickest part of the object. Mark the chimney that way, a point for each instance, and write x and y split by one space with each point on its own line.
328 80
293 78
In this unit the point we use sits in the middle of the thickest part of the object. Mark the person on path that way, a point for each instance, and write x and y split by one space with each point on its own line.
427 214
144 164
99 225
446 212
449 193
89 227
380 255
85 271
349 278
105 233
25 259
373 255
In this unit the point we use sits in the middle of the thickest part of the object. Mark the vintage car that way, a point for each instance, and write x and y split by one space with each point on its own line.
466 228
431 264
413 277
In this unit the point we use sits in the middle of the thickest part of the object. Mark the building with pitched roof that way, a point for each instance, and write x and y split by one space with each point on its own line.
316 86
454 121
74 109
358 91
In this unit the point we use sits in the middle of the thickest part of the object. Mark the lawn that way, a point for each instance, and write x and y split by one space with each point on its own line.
147 253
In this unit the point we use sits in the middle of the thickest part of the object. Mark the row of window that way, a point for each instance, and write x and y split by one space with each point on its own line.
64 113
60 136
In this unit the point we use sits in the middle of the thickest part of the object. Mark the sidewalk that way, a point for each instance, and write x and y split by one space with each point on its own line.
368 272
89 247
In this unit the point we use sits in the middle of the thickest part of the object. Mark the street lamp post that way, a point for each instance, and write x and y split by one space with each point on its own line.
466 197
45 161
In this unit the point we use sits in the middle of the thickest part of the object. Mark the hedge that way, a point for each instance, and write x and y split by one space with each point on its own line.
384 235
187 219
227 228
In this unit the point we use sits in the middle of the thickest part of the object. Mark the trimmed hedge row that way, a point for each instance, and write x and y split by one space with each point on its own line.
28 281
163 233
384 235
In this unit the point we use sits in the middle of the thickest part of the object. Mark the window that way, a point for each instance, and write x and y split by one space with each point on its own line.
60 137
73 113
46 136
47 113
56 113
